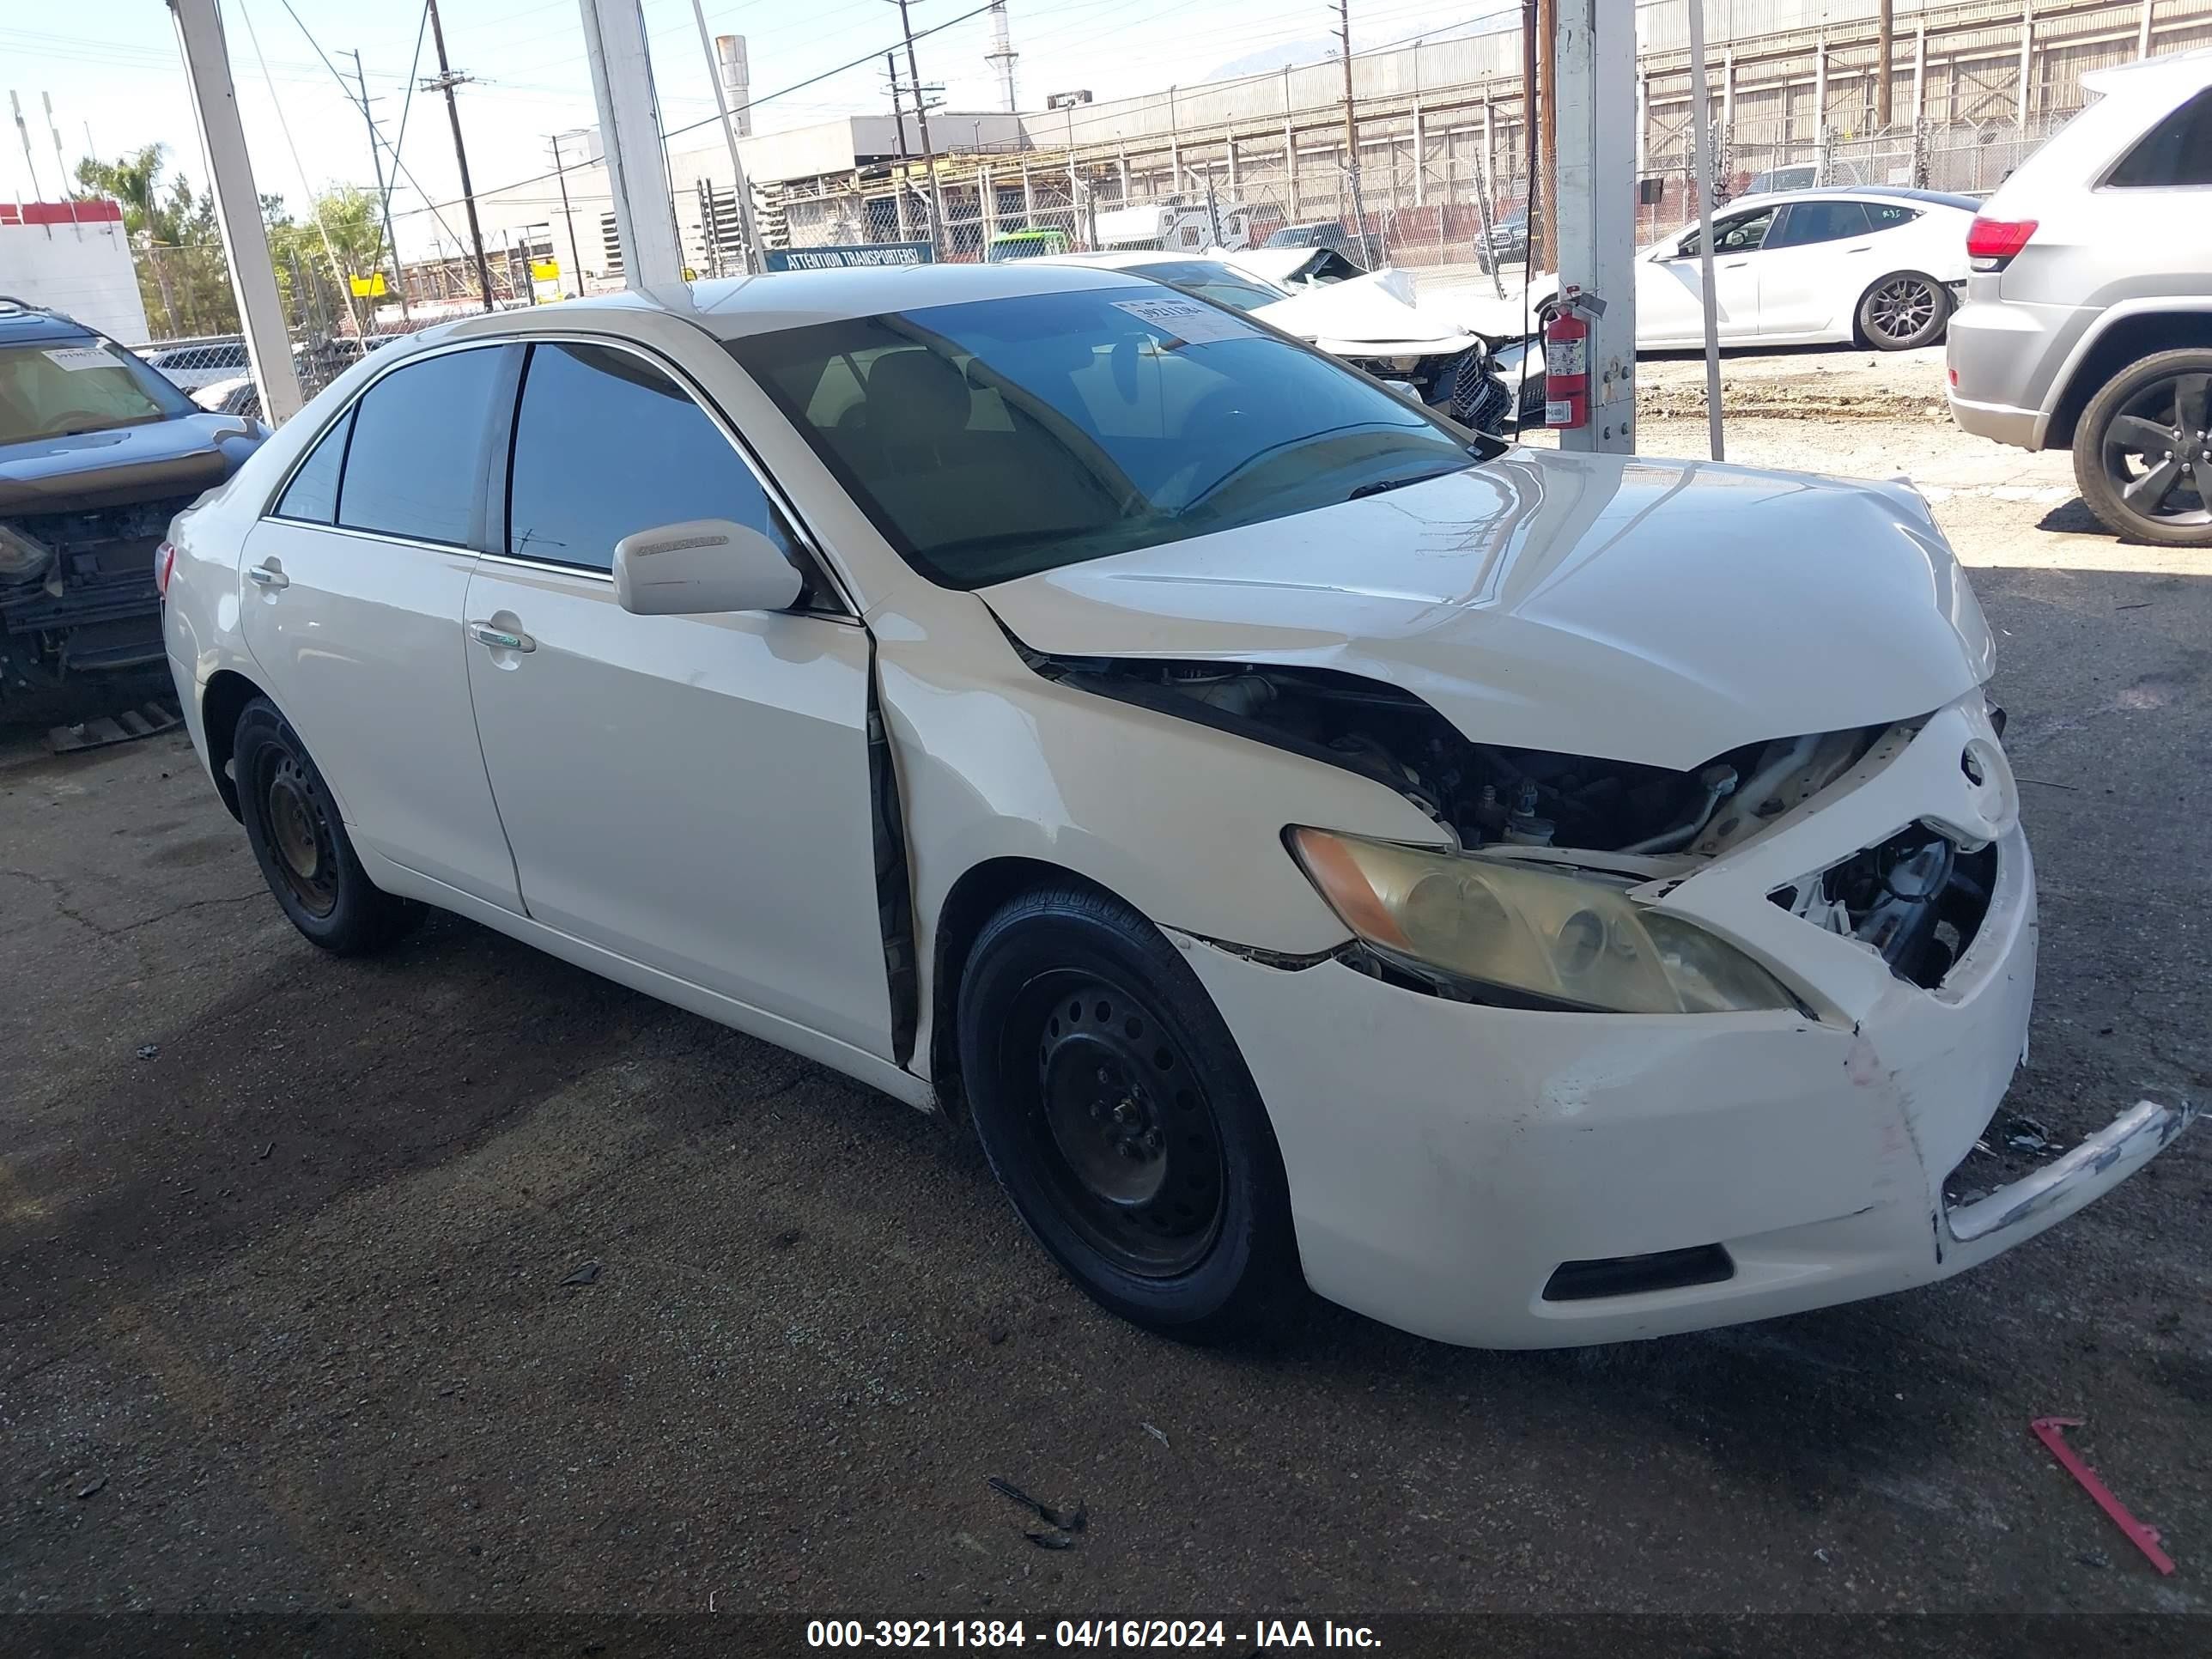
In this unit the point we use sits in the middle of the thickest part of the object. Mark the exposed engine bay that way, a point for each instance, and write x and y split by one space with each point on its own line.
1916 899
76 591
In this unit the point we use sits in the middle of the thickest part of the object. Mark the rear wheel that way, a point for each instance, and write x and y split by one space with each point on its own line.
1904 310
2142 452
1120 1118
300 841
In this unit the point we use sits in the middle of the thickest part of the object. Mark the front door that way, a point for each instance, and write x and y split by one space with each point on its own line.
691 793
1670 309
354 589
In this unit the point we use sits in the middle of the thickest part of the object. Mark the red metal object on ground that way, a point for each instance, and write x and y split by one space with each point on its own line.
2047 1430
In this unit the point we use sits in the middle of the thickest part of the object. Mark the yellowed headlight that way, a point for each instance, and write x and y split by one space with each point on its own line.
1560 936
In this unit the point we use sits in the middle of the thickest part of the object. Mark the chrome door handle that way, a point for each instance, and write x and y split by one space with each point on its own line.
499 639
269 575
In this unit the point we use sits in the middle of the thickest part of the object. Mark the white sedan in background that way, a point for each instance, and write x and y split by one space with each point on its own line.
1312 849
1877 266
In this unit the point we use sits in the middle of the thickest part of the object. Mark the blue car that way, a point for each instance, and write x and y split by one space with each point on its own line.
98 452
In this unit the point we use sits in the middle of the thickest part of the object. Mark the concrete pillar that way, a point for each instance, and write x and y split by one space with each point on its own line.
2027 59
2143 29
1290 153
1596 210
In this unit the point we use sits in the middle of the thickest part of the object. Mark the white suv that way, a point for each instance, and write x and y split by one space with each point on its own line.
2088 314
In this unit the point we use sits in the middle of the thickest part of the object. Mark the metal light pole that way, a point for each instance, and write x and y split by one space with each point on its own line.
237 206
1702 123
730 136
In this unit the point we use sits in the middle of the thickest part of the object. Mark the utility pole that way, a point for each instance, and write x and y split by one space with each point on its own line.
1885 22
446 81
575 253
1350 132
1596 226
1538 206
921 126
898 125
383 196
1548 128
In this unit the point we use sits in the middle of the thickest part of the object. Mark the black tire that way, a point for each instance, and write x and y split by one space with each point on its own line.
1905 309
1070 999
2141 453
300 842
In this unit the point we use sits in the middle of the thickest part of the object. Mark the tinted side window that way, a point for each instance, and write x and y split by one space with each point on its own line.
606 445
1738 235
2176 151
1888 216
312 495
418 447
1820 222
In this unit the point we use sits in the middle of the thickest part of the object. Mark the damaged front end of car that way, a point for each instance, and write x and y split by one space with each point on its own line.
1913 897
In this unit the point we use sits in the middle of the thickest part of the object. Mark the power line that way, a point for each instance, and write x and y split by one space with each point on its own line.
753 103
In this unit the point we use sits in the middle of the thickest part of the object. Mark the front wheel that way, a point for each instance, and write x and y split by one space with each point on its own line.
300 842
2142 450
1119 1117
1907 310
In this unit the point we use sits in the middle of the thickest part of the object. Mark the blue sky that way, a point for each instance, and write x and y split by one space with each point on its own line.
111 65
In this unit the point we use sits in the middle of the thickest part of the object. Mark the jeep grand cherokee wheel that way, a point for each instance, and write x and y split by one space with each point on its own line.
2142 450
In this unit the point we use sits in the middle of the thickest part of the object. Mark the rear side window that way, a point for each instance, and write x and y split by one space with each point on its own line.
606 445
311 497
1818 222
416 459
1888 216
2176 151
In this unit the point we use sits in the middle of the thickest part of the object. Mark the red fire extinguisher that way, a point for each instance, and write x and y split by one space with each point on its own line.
1566 366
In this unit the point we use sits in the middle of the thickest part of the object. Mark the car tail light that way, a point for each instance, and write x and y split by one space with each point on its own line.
1992 243
165 563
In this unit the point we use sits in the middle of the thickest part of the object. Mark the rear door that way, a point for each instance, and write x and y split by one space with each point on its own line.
690 793
1816 261
354 589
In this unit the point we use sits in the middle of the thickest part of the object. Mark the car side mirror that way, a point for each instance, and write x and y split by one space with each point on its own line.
703 566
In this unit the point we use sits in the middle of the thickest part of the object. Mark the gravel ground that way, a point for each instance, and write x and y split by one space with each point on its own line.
460 1281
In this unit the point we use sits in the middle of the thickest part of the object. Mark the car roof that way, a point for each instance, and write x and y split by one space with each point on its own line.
24 324
2173 74
1859 193
731 307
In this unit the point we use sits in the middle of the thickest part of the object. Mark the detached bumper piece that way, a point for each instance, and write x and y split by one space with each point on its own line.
128 727
2029 1205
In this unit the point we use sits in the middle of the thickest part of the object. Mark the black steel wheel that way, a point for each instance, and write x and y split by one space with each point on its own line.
1904 310
1125 1132
1120 1118
2142 450
292 824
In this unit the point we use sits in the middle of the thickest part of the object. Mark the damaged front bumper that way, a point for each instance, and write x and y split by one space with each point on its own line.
1514 1177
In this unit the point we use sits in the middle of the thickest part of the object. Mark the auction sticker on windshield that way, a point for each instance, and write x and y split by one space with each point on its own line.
74 358
1187 322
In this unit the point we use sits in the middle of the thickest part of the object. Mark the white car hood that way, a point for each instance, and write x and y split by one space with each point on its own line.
1621 608
1371 316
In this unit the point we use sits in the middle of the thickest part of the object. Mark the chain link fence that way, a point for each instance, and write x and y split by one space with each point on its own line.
192 316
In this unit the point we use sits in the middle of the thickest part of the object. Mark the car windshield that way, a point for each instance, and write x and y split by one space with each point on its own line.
1216 281
59 387
998 438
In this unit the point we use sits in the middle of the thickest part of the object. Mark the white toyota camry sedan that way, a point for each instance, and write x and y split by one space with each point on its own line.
1533 899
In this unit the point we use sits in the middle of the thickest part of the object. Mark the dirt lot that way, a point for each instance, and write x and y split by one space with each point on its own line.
292 1318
